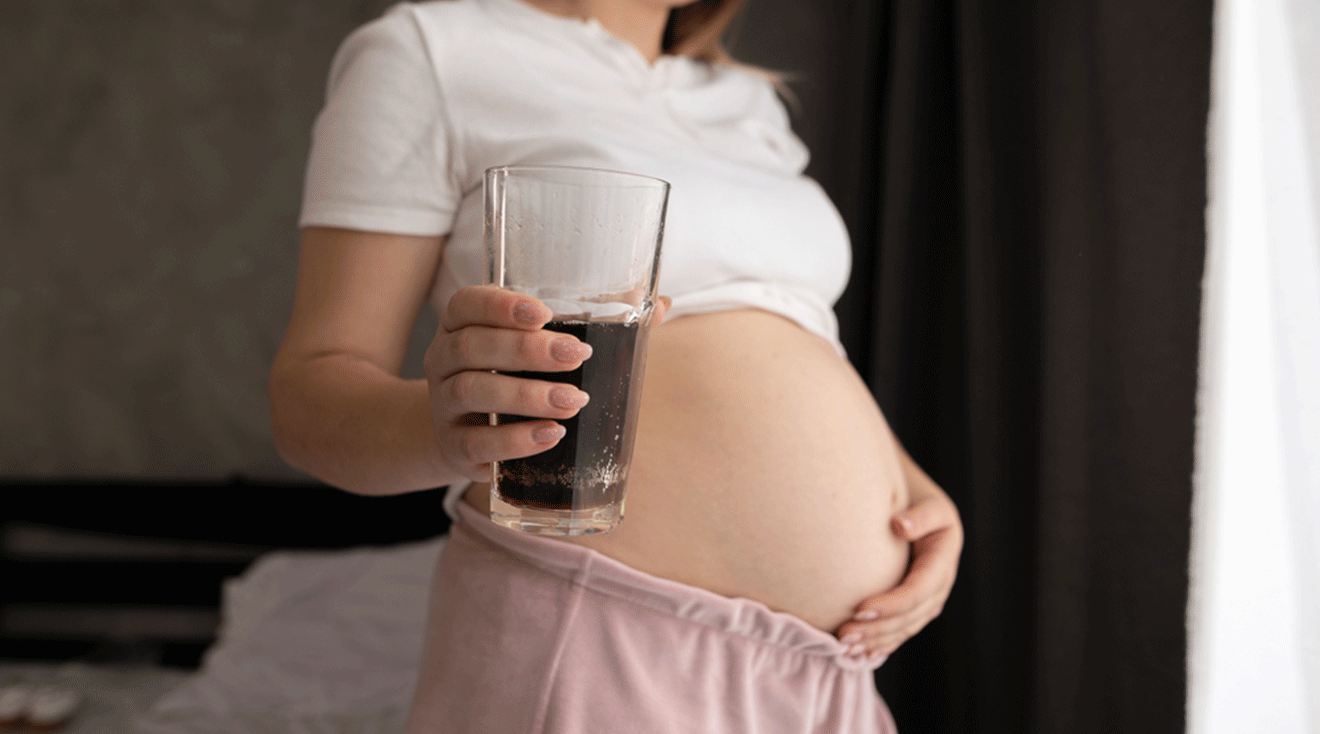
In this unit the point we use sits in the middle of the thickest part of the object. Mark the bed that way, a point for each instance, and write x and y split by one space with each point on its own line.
316 629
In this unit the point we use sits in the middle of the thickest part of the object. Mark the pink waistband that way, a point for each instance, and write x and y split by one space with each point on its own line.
600 573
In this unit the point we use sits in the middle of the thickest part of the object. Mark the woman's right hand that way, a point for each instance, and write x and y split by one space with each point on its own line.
486 328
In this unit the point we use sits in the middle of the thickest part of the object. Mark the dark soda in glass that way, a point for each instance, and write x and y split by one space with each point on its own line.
589 467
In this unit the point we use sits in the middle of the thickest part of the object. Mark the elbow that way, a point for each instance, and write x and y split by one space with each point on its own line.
303 435
286 428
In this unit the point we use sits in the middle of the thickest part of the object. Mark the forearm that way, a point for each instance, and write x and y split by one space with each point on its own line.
349 423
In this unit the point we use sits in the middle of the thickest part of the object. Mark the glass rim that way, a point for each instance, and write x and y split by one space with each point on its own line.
643 180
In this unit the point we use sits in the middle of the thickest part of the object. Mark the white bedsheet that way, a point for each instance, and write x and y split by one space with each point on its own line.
310 643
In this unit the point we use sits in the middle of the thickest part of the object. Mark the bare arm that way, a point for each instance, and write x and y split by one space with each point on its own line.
339 409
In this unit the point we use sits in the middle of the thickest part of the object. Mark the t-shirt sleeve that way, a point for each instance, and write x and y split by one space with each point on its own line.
380 158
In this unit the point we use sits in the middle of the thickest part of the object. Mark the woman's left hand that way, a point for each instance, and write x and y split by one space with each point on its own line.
885 621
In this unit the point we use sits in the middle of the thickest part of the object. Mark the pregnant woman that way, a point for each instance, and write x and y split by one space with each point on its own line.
778 541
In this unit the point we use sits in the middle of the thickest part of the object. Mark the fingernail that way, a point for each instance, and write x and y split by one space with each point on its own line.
569 350
568 398
867 615
528 313
904 524
851 637
548 434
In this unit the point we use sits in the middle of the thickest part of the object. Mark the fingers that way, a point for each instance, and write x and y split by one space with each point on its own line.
664 303
488 305
884 636
472 449
925 516
510 350
486 328
885 621
488 392
460 404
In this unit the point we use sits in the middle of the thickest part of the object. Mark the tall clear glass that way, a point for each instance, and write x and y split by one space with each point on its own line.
586 242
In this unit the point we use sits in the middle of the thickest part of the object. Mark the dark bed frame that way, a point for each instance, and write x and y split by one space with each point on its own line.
261 516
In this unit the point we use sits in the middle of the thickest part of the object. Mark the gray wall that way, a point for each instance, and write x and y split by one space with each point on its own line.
151 157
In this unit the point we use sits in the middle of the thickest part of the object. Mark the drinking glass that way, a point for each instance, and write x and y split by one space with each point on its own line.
586 242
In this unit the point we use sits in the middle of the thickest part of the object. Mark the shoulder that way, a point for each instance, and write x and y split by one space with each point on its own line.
383 152
382 48
408 32
407 56
437 24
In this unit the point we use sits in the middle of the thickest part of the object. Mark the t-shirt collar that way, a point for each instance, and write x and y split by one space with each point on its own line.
667 71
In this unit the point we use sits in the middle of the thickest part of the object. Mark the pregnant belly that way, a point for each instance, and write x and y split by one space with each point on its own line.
763 469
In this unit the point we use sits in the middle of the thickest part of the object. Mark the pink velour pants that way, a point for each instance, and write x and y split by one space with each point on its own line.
530 635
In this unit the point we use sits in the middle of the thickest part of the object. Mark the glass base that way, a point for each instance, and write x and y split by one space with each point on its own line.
562 523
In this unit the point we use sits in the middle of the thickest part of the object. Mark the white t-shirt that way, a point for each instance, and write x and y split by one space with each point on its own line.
423 100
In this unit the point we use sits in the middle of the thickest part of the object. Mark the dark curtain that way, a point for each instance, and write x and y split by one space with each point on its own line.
1029 232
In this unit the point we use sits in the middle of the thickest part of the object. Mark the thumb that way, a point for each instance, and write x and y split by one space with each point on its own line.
924 517
663 305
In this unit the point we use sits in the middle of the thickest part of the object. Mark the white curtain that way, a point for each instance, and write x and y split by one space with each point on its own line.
1254 613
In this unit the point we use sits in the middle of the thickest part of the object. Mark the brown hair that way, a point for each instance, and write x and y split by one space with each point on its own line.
696 30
